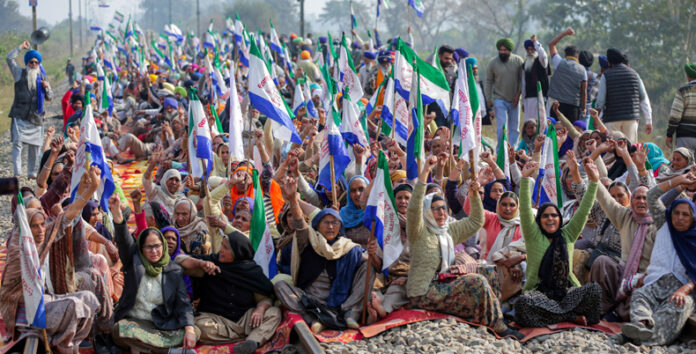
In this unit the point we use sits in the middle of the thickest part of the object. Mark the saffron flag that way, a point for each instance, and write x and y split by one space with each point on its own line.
381 210
199 140
265 97
548 184
90 153
260 235
32 279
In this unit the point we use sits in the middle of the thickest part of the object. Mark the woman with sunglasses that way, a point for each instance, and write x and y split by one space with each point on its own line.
552 294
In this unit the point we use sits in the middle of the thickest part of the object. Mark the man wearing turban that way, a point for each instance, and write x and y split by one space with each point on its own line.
31 89
682 116
568 84
503 89
622 97
535 70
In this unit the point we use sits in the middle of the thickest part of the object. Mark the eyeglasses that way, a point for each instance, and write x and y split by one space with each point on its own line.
550 215
151 248
331 223
438 208
33 62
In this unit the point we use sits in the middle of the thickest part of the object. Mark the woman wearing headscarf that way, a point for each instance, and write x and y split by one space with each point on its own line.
432 238
682 161
154 312
192 228
660 308
169 189
552 294
69 316
235 302
171 236
657 159
221 160
494 189
529 133
327 268
352 213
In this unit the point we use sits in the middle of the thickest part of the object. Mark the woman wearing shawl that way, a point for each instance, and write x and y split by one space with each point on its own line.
169 189
682 161
152 214
431 239
69 316
221 160
657 159
154 313
192 228
242 212
660 308
552 294
352 213
327 269
235 302
529 133
171 236
494 189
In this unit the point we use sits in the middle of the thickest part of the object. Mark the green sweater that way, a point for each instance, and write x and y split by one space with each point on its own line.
537 243
424 245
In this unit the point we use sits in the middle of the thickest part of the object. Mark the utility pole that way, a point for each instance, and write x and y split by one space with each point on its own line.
170 12
71 32
198 18
301 18
33 18
79 27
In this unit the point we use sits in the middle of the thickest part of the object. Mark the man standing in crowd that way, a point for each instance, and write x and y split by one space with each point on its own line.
504 87
622 97
535 70
682 117
569 81
30 91
70 71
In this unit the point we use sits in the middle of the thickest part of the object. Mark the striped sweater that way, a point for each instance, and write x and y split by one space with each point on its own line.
682 117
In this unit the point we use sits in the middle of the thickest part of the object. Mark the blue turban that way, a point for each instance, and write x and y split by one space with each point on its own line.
323 40
603 61
459 54
369 55
384 57
471 61
580 124
528 44
32 54
170 102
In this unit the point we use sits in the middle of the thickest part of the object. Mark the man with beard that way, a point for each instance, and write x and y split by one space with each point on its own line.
568 84
446 56
31 90
535 70
503 89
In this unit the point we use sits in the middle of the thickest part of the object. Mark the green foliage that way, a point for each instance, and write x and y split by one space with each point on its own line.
10 19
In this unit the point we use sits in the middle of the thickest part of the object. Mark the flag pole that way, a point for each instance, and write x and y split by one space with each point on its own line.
333 181
368 283
46 344
472 165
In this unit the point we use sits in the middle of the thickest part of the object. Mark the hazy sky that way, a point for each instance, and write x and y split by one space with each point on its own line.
53 11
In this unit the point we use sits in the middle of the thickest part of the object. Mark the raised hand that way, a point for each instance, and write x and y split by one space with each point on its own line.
571 160
474 187
539 142
591 169
56 145
289 189
530 168
136 195
442 159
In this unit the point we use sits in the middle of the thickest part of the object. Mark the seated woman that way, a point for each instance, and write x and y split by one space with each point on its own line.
69 316
682 161
235 302
527 137
154 313
660 308
169 189
352 213
192 228
326 267
431 239
552 293
102 252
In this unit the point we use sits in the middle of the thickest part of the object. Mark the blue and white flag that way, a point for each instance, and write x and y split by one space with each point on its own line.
275 41
236 122
32 279
260 235
462 115
209 41
311 110
118 17
95 27
265 97
415 150
90 153
107 99
103 3
547 187
173 31
352 129
199 141
347 74
381 209
418 6
298 100
332 146
433 84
